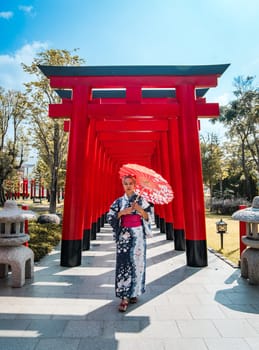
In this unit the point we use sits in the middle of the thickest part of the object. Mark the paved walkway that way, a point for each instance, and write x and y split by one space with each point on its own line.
183 308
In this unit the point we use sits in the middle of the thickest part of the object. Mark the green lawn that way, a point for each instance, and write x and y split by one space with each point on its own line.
230 249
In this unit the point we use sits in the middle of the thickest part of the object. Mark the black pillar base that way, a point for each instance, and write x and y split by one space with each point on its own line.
157 221
102 220
86 239
71 253
169 231
93 231
98 225
162 225
179 239
196 253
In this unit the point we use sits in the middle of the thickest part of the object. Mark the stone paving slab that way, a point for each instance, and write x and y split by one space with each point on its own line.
183 308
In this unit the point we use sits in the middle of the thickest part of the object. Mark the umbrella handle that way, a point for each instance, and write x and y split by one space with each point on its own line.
137 197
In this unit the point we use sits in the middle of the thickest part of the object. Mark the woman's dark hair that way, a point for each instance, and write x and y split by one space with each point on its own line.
132 177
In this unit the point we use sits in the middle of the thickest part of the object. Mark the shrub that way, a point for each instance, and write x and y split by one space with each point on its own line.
43 238
227 206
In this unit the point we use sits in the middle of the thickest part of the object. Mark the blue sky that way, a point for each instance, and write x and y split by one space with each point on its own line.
133 32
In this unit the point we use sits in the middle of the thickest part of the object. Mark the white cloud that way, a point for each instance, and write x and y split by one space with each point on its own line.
206 128
26 8
220 96
6 15
11 73
224 99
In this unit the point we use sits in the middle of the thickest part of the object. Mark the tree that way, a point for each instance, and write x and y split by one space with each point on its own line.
49 135
13 112
234 183
212 162
241 119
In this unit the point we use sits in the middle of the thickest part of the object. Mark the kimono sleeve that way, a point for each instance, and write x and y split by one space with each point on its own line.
112 218
147 223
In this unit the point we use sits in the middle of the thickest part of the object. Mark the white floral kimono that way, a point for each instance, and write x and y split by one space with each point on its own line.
131 248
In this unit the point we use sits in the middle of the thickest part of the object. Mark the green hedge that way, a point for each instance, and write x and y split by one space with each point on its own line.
228 206
43 238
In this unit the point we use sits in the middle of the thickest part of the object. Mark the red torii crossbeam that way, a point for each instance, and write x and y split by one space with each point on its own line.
142 114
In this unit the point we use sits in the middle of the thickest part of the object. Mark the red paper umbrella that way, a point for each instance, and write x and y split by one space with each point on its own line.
149 184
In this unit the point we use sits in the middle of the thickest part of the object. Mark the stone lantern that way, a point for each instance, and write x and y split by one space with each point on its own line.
250 256
13 252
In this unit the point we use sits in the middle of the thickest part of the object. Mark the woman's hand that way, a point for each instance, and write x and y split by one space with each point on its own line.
125 211
140 210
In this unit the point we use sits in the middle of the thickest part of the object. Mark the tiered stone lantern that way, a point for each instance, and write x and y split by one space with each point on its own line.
13 252
250 256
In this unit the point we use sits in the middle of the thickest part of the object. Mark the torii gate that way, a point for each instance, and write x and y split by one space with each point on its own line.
133 114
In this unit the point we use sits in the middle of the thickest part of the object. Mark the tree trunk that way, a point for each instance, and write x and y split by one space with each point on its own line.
211 195
246 173
2 195
54 177
53 193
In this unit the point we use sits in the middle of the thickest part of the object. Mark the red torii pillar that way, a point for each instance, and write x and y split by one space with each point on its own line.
93 184
159 209
75 199
166 174
98 191
176 180
90 158
195 229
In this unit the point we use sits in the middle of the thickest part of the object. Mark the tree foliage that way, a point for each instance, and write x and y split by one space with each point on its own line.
50 140
13 139
213 167
241 120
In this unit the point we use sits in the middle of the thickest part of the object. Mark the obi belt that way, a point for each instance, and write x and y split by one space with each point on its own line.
131 220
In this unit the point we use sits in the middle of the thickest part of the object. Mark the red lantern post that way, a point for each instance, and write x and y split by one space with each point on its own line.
242 232
26 224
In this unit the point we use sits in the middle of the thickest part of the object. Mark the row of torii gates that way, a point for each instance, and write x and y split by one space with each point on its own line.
133 114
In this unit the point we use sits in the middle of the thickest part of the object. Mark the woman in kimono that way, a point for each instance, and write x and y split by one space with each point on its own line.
130 218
